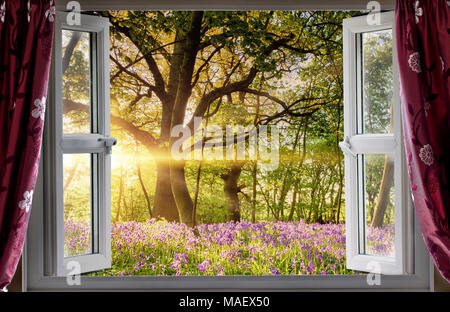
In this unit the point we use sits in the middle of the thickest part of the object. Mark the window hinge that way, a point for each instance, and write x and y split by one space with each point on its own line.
109 143
347 148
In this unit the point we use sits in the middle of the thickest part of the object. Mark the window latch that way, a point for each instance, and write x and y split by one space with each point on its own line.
109 143
347 148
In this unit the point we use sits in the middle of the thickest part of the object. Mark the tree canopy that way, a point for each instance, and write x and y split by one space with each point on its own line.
248 68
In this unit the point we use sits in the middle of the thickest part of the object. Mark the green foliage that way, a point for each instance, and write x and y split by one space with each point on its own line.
305 69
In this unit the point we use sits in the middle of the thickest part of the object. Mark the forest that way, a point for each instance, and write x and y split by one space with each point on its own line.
249 69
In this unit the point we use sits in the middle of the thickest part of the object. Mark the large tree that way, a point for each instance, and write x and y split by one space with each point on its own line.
169 67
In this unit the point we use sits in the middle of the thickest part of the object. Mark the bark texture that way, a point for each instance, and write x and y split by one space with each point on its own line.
232 190
383 195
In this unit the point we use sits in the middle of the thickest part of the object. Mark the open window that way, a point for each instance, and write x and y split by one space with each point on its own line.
377 194
80 147
74 183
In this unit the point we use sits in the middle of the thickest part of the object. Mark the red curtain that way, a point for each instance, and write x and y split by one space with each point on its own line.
423 49
26 37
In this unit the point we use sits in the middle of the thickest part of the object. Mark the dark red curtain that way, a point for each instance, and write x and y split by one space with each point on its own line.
423 49
26 36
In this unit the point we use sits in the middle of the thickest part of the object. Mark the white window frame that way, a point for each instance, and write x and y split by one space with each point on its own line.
36 279
366 144
57 144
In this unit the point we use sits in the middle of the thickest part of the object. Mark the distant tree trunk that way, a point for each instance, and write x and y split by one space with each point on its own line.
314 188
254 171
132 206
71 175
299 210
276 210
339 196
338 152
286 186
294 202
255 163
323 202
119 202
383 195
231 190
144 190
197 189
340 186
199 172
125 205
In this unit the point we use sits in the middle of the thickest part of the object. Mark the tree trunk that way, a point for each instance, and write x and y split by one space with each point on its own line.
71 176
341 182
197 189
180 191
383 195
254 172
339 203
181 194
255 164
338 152
164 202
119 202
294 202
133 217
231 190
125 205
144 190
76 36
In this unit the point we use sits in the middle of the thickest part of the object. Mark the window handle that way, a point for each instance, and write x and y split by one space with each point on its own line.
346 147
109 143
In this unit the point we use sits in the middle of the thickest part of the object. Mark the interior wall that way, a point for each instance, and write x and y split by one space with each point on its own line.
440 284
16 283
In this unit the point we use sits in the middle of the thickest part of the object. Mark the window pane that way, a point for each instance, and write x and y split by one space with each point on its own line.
378 205
78 90
377 82
77 204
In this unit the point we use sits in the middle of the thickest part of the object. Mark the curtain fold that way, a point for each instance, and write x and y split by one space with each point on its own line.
423 50
26 38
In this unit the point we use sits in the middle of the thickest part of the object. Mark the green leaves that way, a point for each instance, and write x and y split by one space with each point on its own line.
128 59
296 56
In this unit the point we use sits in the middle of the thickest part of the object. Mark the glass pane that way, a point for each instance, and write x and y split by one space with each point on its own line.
77 86
77 204
377 79
378 204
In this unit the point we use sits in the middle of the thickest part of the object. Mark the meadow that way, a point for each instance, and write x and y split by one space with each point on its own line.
232 248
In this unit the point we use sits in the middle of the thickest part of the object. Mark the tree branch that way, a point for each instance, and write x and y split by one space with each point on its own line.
206 62
160 90
134 75
142 136
69 50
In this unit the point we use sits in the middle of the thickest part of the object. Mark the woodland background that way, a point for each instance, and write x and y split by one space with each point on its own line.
230 68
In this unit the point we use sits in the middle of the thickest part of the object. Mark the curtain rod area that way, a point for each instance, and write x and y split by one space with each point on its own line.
90 5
